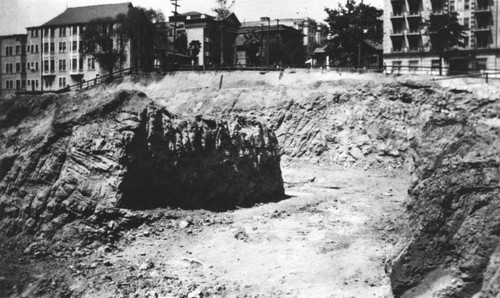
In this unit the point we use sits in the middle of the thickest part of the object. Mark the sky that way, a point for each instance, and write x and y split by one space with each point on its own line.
16 15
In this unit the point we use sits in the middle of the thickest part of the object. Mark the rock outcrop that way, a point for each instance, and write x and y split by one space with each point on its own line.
64 157
455 210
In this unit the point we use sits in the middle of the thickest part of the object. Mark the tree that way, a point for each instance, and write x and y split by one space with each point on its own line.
445 33
252 46
98 38
194 49
351 24
139 25
107 39
181 43
223 9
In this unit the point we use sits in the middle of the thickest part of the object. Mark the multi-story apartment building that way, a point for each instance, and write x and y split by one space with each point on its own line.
406 47
12 64
59 42
48 58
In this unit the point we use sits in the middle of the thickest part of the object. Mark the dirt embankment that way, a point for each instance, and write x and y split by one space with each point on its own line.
448 139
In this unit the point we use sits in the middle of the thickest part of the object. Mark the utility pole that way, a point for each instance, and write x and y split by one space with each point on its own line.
361 40
278 41
174 3
261 43
268 39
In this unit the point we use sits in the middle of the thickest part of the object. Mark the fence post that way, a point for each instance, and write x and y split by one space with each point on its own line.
220 84
486 78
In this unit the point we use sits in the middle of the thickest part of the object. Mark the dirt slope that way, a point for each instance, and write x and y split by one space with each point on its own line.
338 229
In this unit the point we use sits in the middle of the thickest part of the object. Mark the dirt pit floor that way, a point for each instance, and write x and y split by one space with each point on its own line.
331 237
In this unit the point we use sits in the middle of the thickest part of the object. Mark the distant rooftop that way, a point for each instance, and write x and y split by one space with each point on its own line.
85 14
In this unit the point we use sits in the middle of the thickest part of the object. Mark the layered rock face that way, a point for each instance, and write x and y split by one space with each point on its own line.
64 157
201 163
455 209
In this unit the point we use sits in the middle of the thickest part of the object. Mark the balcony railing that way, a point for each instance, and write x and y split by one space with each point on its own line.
414 32
482 28
414 14
76 71
397 32
396 15
51 72
438 11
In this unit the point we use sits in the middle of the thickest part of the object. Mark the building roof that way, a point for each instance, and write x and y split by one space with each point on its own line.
375 45
13 36
85 14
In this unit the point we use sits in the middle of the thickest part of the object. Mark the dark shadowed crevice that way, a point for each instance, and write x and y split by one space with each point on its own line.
200 164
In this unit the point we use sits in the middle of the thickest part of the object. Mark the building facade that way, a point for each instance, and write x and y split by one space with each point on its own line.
48 57
278 44
314 33
217 37
406 47
13 73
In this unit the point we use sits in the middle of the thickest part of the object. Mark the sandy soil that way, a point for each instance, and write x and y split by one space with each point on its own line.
331 237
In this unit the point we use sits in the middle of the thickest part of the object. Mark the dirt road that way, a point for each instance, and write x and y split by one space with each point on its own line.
330 238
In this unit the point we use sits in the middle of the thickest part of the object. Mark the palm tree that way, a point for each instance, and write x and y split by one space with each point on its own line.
194 49
252 46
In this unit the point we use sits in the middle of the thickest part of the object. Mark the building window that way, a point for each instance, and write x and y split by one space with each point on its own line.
397 9
52 32
45 32
18 67
62 82
18 85
413 44
74 64
74 46
52 47
46 65
34 33
466 4
80 63
481 64
413 65
62 31
396 66
36 48
62 47
23 84
45 47
62 65
466 23
482 40
18 50
36 66
397 44
52 65
8 51
75 29
91 63
36 83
